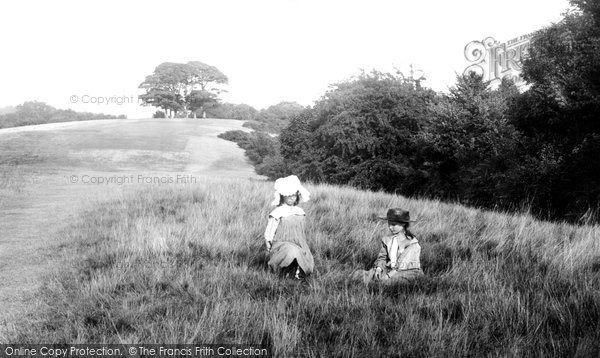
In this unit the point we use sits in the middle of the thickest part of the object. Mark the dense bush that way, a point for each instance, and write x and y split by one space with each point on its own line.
238 137
261 149
468 149
159 114
495 148
361 133
232 111
380 132
274 118
560 114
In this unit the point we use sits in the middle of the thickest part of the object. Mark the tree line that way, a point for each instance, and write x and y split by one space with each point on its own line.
496 148
34 112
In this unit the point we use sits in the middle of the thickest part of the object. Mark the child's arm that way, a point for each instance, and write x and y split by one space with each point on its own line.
394 250
382 258
270 232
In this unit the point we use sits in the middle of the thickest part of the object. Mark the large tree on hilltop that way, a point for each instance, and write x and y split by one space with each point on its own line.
207 77
178 87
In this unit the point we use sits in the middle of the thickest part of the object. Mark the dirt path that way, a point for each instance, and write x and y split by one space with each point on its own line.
45 201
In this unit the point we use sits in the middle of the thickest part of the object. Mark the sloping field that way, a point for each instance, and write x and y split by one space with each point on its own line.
50 173
187 265
184 262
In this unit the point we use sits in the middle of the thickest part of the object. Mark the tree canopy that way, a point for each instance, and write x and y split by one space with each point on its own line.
361 133
496 148
560 113
183 88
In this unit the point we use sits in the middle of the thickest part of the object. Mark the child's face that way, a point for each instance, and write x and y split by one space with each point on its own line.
395 227
290 199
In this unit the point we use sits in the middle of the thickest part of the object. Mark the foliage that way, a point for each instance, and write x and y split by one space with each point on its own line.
35 112
494 148
182 87
275 117
469 149
560 113
260 146
262 150
232 111
538 150
273 166
159 114
237 136
281 111
360 133
200 100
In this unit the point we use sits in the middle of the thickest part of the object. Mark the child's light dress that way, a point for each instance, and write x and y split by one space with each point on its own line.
289 240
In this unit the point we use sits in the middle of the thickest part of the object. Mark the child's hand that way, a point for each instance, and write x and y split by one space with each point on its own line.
378 272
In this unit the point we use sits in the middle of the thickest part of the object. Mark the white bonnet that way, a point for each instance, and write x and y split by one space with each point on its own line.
289 186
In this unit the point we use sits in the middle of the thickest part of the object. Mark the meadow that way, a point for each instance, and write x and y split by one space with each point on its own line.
188 265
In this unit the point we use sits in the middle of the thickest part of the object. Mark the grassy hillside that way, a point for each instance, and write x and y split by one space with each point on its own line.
185 265
38 196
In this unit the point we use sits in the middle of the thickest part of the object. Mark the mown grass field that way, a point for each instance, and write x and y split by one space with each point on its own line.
187 265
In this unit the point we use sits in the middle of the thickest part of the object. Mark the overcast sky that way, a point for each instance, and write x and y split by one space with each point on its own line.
272 51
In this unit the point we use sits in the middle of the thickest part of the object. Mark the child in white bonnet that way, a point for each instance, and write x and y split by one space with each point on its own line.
285 236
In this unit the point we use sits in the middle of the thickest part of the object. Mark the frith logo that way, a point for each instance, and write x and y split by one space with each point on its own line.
494 60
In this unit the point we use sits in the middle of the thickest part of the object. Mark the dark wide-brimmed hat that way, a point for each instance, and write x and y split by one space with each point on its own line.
397 215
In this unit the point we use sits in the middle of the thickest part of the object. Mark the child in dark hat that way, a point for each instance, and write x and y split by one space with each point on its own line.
400 256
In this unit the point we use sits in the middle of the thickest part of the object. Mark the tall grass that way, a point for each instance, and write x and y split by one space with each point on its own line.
181 265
